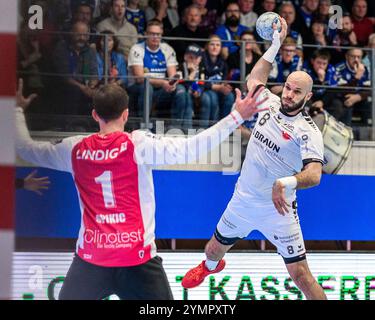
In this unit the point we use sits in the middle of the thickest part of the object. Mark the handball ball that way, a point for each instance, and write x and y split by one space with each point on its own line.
264 24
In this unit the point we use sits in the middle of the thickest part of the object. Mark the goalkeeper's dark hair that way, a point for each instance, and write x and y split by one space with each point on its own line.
110 101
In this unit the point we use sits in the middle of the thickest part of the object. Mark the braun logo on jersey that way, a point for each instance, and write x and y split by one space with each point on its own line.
101 155
114 218
267 142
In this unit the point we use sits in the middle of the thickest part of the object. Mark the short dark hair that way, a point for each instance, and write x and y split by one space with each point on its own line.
154 22
83 4
101 36
321 53
110 101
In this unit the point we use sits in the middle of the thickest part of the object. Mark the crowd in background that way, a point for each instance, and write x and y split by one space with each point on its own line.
192 79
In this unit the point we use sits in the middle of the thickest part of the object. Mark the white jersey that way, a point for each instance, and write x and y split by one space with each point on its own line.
279 146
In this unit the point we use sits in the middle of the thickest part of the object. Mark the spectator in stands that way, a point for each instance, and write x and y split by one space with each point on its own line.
193 88
164 12
136 16
156 60
30 60
288 12
305 16
367 61
353 73
217 98
76 59
74 4
47 37
252 55
104 11
324 73
116 62
323 11
343 37
209 17
285 63
363 26
189 29
317 37
248 16
267 6
231 30
83 12
117 23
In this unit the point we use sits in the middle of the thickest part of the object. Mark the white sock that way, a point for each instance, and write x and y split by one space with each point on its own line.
211 265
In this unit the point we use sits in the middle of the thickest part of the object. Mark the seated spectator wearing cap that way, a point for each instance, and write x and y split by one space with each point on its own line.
156 60
193 88
353 73
324 73
285 63
231 30
136 16
116 62
188 29
75 58
217 98
117 23
343 37
252 55
363 26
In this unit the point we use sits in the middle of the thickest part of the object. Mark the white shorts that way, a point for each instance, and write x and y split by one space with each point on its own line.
240 218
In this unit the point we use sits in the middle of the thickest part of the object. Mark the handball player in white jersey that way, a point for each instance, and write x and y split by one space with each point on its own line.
112 171
285 153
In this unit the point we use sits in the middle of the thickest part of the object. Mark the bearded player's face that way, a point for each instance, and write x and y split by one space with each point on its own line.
293 97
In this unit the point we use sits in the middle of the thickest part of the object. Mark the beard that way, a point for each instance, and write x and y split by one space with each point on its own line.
345 32
232 21
293 107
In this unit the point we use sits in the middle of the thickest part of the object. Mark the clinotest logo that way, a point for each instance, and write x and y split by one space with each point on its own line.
98 237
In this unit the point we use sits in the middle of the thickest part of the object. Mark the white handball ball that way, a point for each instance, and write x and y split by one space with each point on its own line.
264 24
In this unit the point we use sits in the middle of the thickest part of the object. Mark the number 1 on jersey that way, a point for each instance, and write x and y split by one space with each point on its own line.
105 180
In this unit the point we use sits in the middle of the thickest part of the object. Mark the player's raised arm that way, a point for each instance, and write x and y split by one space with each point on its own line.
259 74
44 154
154 150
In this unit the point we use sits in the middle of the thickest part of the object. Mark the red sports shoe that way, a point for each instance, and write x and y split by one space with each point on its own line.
195 276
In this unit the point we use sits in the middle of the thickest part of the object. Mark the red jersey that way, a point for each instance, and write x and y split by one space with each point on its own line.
113 177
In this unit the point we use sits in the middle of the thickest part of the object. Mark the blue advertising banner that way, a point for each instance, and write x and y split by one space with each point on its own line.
190 203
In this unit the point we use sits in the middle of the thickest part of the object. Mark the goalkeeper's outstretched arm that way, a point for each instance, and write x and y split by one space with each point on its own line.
262 69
